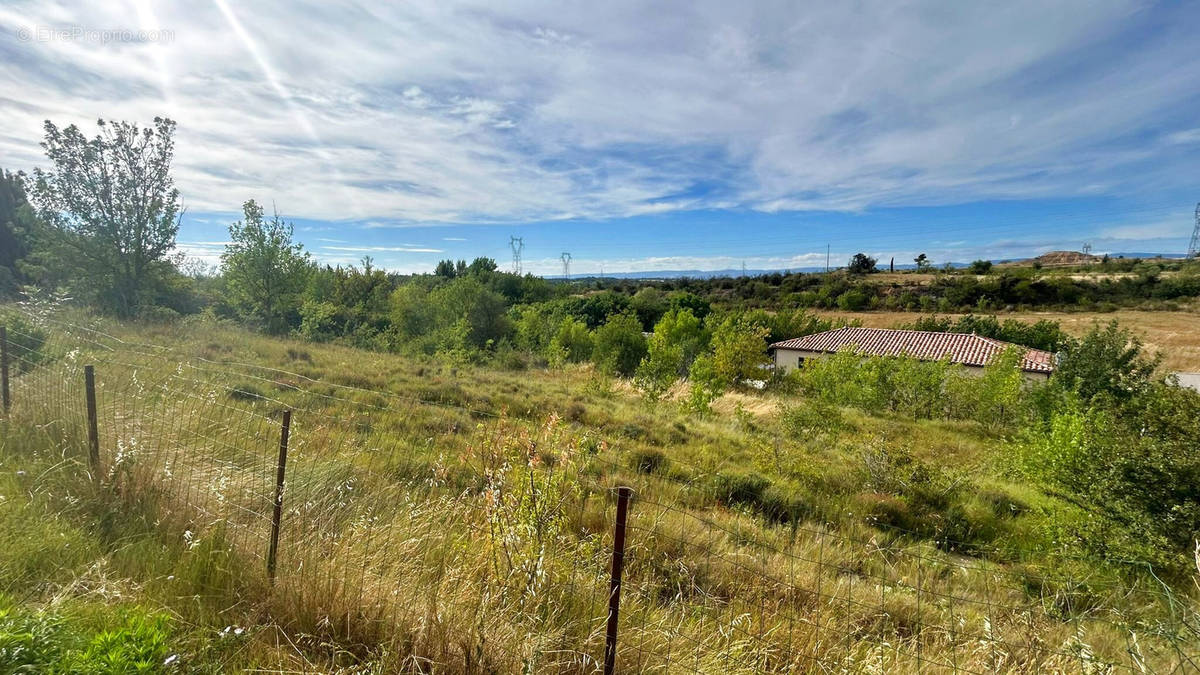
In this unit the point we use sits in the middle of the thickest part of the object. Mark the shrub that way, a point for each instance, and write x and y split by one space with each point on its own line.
647 460
25 341
740 488
619 345
812 418
739 351
572 341
705 386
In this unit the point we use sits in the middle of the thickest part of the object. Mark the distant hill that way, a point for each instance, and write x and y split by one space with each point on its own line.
1060 258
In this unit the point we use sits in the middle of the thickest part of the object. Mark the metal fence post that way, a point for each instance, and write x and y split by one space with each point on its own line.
4 366
89 382
277 515
614 584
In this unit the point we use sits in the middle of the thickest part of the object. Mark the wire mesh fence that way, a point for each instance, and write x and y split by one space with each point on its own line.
456 538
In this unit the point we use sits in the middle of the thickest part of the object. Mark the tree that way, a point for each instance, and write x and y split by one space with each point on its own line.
482 266
16 219
467 300
264 269
114 198
739 350
573 341
659 369
619 345
706 386
445 268
1108 361
981 267
686 333
861 263
922 262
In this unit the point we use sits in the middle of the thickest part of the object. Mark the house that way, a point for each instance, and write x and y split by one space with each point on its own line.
971 351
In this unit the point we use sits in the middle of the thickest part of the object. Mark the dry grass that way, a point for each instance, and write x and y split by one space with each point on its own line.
428 530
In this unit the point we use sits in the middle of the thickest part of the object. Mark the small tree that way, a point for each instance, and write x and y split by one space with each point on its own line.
264 269
981 267
1107 361
922 262
861 263
619 345
572 341
659 369
706 386
739 350
113 199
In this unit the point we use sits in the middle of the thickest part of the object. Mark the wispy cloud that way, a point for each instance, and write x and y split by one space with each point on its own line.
522 113
381 249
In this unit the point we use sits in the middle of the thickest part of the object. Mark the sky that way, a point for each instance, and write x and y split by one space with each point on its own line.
640 135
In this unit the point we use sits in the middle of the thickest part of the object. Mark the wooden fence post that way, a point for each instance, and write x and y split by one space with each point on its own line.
89 382
277 515
614 584
4 367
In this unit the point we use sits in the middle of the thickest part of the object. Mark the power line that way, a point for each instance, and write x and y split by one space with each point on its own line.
517 244
566 261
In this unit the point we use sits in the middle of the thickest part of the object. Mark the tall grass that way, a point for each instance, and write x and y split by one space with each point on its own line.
454 524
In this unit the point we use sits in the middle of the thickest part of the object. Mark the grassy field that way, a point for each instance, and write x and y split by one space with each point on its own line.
455 518
1172 333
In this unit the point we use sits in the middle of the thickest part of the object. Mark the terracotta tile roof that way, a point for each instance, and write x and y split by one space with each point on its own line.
967 349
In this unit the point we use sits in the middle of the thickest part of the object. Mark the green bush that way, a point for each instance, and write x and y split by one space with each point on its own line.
619 345
648 460
740 488
25 341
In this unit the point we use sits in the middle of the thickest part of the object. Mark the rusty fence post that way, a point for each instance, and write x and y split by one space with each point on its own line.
614 584
4 367
277 515
89 382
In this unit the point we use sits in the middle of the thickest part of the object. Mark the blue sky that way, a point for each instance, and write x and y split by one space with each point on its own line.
641 136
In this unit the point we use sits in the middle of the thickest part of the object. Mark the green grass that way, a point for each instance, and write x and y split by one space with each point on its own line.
456 518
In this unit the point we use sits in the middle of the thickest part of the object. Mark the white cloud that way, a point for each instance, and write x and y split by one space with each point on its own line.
472 112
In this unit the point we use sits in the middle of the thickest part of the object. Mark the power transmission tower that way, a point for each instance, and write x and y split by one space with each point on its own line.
1194 247
1087 248
517 244
826 258
566 259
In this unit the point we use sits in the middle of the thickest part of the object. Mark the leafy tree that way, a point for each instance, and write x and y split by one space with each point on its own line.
482 266
997 394
861 263
573 341
113 198
706 386
445 268
686 333
660 367
853 300
739 350
923 262
699 307
1107 361
619 345
265 270
980 267
649 304
483 311
16 219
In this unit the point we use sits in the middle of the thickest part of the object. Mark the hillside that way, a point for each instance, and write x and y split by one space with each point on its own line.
461 518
